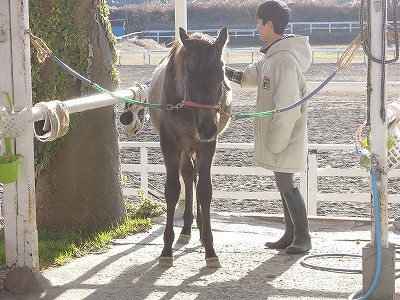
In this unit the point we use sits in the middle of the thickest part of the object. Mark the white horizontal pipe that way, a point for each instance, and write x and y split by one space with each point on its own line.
85 103
102 100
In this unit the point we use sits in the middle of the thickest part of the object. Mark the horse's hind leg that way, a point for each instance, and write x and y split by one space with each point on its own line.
187 172
172 189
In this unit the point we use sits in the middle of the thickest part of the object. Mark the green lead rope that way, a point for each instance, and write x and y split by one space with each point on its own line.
102 90
256 115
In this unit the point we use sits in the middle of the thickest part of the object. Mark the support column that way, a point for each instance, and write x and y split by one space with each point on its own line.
180 16
19 197
379 150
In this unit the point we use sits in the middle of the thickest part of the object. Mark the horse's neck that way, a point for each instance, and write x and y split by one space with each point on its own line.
172 81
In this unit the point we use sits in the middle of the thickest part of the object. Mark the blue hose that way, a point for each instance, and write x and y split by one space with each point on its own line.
378 242
70 70
320 87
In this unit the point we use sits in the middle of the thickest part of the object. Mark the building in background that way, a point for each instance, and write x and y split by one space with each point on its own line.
118 26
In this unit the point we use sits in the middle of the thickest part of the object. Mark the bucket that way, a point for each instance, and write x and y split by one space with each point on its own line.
9 169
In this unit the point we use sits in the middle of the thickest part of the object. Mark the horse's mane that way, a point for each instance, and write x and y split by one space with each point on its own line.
201 54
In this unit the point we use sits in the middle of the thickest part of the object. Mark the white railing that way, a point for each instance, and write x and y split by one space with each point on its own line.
292 28
308 179
153 57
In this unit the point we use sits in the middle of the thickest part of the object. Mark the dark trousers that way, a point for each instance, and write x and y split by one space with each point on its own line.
284 182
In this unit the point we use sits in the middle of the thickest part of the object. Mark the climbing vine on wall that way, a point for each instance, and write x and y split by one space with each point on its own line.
68 40
104 16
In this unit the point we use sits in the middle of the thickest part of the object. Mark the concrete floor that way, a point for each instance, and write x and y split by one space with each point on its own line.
129 270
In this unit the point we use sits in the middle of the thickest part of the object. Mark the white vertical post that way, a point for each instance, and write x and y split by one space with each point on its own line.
312 183
385 285
9 202
27 256
144 172
304 184
379 125
19 197
180 16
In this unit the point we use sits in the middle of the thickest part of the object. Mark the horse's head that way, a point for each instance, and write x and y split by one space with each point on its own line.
203 78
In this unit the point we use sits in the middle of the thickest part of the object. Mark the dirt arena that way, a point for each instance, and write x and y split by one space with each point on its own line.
333 119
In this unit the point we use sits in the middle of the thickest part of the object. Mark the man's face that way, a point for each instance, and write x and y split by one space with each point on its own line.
265 31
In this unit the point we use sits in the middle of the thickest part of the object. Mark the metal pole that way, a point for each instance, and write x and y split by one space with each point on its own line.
180 16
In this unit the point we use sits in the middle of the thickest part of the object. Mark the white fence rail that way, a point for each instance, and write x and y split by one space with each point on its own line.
152 57
293 28
308 179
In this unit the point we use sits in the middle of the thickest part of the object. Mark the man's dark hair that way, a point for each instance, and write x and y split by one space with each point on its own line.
276 12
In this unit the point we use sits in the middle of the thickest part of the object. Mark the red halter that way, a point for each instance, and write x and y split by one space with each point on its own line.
199 105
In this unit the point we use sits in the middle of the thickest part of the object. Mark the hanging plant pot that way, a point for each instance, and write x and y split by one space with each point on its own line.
9 169
11 126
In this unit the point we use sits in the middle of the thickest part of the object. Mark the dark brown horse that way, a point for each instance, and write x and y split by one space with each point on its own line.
195 96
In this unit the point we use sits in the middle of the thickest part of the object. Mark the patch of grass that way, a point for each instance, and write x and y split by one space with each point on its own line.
146 209
57 247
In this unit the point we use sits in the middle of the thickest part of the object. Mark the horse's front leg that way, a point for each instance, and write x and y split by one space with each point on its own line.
204 192
187 172
172 190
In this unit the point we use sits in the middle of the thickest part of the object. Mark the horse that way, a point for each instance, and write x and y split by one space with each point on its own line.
194 98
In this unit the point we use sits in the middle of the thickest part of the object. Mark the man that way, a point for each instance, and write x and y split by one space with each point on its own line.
280 141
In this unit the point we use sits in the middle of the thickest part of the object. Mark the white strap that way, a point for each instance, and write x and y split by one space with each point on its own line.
56 121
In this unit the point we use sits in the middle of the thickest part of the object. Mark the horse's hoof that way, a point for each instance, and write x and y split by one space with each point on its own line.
183 239
213 262
166 262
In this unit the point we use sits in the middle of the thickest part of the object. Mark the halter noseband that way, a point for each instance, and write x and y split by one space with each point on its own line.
198 105
195 104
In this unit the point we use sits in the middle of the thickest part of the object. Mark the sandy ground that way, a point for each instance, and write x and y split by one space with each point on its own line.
129 270
332 119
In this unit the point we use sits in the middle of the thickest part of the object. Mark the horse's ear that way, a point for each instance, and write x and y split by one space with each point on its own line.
222 37
183 35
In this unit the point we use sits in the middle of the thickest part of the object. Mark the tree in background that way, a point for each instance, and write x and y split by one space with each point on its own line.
78 181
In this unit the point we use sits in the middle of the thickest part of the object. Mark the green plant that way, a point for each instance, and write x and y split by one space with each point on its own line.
56 247
66 37
146 209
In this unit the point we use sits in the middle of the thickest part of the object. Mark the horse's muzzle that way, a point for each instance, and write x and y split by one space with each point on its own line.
207 131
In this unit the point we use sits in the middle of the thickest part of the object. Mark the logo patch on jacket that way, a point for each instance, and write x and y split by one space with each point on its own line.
266 83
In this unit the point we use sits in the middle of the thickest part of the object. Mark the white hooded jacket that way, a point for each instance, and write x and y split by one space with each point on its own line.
280 140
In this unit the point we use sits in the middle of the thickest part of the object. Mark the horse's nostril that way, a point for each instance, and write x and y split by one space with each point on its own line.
207 130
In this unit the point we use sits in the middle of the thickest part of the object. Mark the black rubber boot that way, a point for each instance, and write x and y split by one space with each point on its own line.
287 238
297 210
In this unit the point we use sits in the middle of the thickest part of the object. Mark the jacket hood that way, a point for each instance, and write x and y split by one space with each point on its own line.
298 45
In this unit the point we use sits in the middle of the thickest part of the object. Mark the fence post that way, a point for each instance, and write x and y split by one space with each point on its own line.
144 173
304 183
312 183
20 231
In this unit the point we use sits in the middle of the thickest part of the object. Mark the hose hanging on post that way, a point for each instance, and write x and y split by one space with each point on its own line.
56 122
